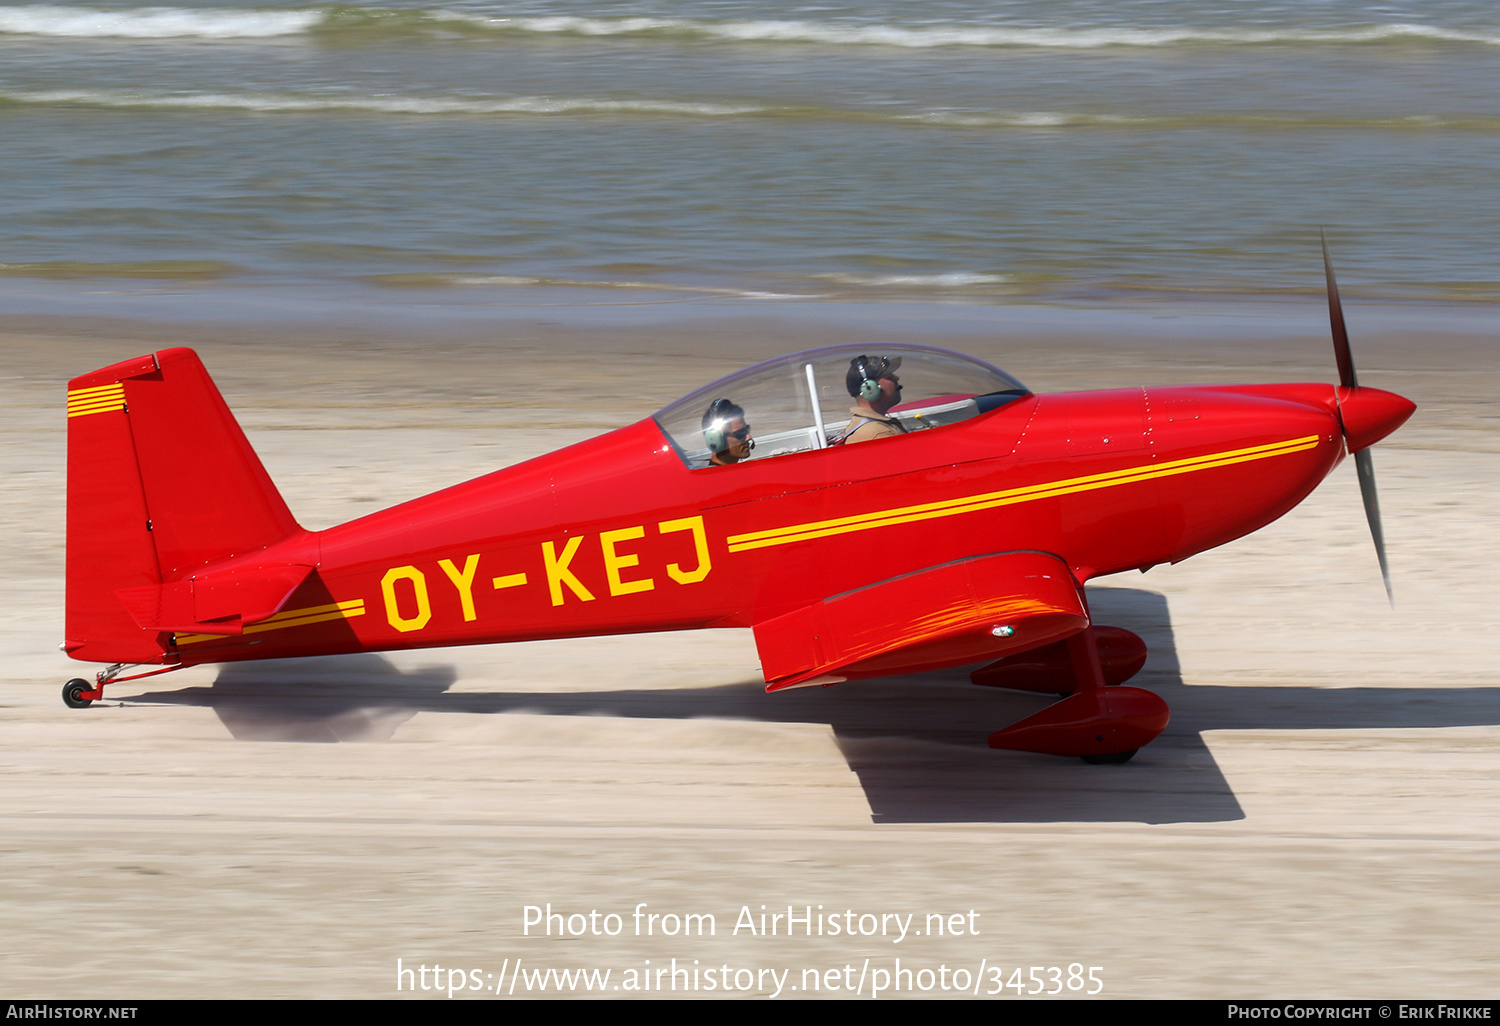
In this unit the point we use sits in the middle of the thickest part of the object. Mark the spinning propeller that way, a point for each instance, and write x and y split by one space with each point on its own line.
1358 410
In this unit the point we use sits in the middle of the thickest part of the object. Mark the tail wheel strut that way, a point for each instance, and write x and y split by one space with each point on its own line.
79 694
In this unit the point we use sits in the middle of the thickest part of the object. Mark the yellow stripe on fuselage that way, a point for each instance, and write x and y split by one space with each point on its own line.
990 500
288 618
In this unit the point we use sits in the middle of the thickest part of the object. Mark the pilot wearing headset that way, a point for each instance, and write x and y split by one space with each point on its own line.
726 434
873 383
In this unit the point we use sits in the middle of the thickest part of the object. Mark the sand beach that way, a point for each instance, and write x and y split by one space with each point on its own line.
1319 820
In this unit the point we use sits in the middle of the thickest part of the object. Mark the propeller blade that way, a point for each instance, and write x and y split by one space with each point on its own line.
1366 467
1336 319
1363 462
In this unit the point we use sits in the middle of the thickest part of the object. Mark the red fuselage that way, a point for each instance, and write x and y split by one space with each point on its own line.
618 535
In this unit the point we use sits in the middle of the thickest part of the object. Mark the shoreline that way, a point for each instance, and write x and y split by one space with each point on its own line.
461 312
616 364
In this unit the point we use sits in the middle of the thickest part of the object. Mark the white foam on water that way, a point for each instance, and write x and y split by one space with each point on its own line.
154 22
946 280
1025 119
833 33
439 280
208 23
542 106
273 102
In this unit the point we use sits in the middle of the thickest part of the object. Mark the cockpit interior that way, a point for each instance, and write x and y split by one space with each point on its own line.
810 400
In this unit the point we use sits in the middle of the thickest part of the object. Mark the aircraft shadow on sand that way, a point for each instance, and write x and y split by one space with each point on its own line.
917 743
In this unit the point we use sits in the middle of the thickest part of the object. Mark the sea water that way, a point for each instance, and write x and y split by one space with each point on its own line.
1002 151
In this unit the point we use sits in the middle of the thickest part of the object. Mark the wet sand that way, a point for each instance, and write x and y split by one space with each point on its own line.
1320 819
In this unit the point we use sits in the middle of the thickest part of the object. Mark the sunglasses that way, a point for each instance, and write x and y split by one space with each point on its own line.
740 435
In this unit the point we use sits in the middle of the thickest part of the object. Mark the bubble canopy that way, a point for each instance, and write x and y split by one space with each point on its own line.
801 402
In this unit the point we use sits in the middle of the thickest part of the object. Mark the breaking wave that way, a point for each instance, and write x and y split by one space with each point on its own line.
156 22
332 22
946 280
542 106
294 104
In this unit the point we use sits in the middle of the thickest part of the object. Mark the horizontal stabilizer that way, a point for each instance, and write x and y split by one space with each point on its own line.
961 612
221 603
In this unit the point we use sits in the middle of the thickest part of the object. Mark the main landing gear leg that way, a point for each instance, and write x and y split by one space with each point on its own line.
79 694
1049 670
1095 723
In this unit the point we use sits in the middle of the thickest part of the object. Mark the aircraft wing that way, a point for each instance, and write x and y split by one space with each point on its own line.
966 611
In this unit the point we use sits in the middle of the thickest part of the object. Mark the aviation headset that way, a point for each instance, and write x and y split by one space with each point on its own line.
867 387
720 413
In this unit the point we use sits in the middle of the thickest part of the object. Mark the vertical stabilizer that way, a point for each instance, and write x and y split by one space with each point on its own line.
161 481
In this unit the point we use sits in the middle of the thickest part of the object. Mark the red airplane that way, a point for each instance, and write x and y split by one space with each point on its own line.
867 511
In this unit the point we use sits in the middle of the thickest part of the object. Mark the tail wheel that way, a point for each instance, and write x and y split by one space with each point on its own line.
73 692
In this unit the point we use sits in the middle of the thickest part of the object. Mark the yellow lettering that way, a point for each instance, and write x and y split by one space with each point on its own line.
463 581
508 581
700 543
558 573
614 562
418 587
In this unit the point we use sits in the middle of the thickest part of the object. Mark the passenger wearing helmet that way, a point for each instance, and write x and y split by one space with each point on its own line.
873 383
726 434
